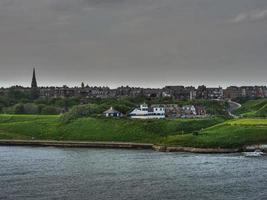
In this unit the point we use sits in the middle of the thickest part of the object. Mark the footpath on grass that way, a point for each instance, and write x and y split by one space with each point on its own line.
115 145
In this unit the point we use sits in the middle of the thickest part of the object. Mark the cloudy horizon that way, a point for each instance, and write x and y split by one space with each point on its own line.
147 43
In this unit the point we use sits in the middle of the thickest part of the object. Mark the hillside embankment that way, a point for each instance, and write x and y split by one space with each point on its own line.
200 135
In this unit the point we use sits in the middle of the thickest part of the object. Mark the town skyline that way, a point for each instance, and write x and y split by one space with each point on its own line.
77 83
173 91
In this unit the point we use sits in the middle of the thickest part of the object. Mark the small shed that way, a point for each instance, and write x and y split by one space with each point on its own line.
112 113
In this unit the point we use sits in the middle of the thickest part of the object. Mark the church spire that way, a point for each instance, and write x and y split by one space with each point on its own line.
34 89
34 82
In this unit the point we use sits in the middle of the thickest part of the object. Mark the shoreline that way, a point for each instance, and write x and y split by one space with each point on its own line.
196 150
78 144
114 145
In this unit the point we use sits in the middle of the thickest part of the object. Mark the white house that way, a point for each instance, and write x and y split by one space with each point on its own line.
145 112
112 113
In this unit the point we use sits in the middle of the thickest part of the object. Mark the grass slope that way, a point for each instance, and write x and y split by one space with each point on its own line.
28 126
214 132
97 129
253 108
230 134
152 131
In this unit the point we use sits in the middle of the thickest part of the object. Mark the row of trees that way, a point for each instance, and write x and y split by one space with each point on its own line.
18 102
31 108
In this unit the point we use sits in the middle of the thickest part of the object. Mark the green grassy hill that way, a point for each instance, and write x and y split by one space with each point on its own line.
213 132
253 108
97 129
230 134
28 126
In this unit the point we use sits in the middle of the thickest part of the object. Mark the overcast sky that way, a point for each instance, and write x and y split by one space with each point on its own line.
148 43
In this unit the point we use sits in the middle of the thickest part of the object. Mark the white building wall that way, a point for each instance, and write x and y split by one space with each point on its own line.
143 113
159 110
148 117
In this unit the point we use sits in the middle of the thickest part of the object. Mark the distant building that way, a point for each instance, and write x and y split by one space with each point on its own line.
264 91
112 113
214 93
171 110
178 92
146 112
233 92
176 111
200 111
248 91
189 110
201 92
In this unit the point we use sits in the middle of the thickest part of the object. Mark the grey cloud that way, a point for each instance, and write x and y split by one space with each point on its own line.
133 42
253 15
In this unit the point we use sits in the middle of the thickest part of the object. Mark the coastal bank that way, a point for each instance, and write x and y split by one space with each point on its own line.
214 135
116 145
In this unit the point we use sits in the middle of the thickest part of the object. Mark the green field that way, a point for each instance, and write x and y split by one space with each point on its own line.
230 134
253 108
212 132
97 129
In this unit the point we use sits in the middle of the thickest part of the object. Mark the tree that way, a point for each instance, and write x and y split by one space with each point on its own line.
19 109
50 110
31 108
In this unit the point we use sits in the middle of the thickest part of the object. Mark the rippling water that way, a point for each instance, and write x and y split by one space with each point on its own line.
58 173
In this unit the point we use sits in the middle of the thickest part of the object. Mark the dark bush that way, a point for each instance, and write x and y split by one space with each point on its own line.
30 108
50 110
83 111
19 109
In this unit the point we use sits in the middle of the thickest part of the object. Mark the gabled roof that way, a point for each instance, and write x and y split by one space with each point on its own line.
144 104
111 110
